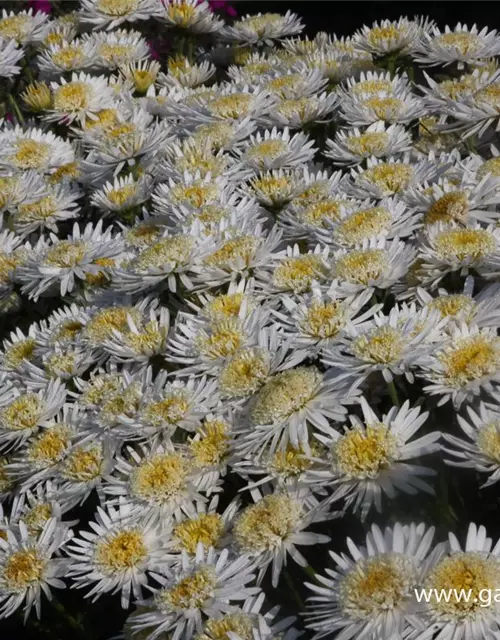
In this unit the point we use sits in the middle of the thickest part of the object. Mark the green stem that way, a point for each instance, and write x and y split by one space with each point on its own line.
294 591
72 621
309 572
15 106
391 387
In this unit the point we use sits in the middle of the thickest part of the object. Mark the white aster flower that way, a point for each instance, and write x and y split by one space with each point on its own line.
390 37
33 149
276 149
121 47
123 196
108 14
80 98
192 15
60 58
24 27
263 28
184 73
10 55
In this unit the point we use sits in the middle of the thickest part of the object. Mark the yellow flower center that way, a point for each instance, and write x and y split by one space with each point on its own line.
266 525
297 274
72 96
259 24
213 446
372 87
239 624
323 319
291 462
122 551
37 211
36 518
66 254
24 569
117 8
68 330
454 304
383 345
15 27
319 212
490 95
489 166
100 328
225 305
245 373
8 262
224 340
70 170
376 586
452 207
268 149
122 195
286 393
19 352
241 248
206 529
385 34
50 447
459 244
471 571
465 43
368 143
365 453
30 154
143 235
362 225
217 134
170 410
389 177
37 96
384 108
470 359
233 106
160 478
488 441
271 186
459 87
296 108
190 592
195 194
282 83
69 57
22 413
83 464
182 13
174 250
362 267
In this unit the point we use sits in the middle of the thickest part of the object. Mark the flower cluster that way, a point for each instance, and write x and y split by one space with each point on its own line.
250 281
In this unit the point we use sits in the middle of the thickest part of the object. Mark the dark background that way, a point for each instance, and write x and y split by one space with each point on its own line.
343 17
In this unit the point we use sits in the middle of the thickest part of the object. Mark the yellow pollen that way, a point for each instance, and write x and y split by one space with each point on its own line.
111 52
68 330
291 462
106 118
60 364
5 481
218 134
7 189
368 144
117 8
239 249
297 274
170 410
143 235
488 441
239 624
245 373
214 445
70 170
461 244
459 87
362 267
490 95
473 572
376 586
69 57
120 552
196 194
100 278
266 525
122 195
323 319
50 447
15 27
102 325
83 464
19 352
102 387
362 225
452 207
207 529
372 87
454 305
225 339
143 79
124 403
387 33
150 339
286 393
319 212
66 254
259 24
181 13
271 186
295 108
225 305
383 345
173 251
364 454
282 83
37 211
389 177
190 592
73 96
232 107
37 517
160 478
268 149
22 413
469 359
23 569
384 108
30 154
466 43
489 166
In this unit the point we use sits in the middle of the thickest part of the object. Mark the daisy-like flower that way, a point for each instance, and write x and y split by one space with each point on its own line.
366 109
192 15
19 349
59 263
462 45
118 48
33 149
369 459
473 568
10 55
82 97
393 176
108 14
376 263
24 27
479 110
271 529
23 412
210 449
464 365
297 272
35 509
291 85
451 247
371 591
276 149
191 191
117 554
480 449
29 567
297 113
352 146
263 28
142 73
390 37
184 73
290 402
63 57
123 196
204 586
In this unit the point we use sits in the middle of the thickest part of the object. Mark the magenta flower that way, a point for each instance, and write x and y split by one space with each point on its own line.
223 5
44 6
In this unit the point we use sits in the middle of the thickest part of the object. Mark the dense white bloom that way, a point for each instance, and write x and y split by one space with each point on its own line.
109 14
10 55
263 28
